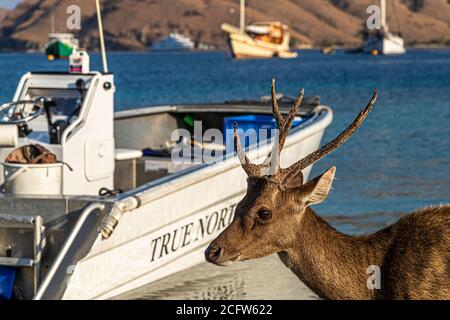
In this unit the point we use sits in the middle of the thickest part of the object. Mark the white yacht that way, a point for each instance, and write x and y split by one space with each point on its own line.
174 41
382 41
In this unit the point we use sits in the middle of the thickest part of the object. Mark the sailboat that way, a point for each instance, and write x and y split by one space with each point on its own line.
382 41
258 40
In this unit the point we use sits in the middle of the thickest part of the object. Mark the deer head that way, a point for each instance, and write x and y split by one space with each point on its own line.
266 219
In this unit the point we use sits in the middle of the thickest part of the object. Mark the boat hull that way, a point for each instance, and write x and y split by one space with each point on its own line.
59 50
181 215
388 44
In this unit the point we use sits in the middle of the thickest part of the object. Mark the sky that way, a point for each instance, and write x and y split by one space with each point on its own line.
9 4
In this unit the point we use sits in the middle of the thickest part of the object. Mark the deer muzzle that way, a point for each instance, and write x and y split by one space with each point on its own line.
213 254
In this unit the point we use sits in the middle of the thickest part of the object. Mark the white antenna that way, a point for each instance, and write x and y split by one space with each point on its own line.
242 18
102 38
383 14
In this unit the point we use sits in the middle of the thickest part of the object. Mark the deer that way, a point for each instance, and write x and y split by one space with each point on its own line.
412 256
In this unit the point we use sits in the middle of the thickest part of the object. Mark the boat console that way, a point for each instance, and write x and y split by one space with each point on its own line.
72 116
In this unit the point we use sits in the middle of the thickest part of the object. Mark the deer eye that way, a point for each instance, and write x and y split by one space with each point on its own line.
264 214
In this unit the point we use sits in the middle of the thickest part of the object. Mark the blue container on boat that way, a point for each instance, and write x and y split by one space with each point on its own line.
7 278
255 122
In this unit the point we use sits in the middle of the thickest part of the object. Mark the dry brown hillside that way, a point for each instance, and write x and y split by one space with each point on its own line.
134 24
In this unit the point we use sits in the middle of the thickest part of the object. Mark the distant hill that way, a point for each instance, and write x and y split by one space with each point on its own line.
135 24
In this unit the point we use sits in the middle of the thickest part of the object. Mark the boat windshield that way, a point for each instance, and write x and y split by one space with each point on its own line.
66 100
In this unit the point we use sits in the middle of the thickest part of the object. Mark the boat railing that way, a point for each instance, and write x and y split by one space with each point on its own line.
84 111
25 222
66 248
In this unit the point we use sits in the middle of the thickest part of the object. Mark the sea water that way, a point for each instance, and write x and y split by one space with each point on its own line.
399 160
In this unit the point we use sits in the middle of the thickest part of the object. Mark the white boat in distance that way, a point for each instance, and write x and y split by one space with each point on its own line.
174 41
383 41
68 232
258 40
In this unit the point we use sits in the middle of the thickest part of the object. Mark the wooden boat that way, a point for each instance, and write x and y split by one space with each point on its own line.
258 40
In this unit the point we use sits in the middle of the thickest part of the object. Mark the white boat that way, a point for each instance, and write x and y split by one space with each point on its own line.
62 239
170 212
258 40
382 41
174 41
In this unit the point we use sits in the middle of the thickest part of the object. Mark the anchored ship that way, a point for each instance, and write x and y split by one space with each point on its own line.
258 40
382 41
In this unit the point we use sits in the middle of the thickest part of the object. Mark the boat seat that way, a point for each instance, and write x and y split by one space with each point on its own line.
128 154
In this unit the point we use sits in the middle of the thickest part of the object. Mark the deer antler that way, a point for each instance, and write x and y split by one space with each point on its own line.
283 126
333 145
251 169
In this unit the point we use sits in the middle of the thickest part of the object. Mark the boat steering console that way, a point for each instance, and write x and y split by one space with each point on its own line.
22 112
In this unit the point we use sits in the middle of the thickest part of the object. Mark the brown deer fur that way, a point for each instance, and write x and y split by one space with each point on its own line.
275 217
413 255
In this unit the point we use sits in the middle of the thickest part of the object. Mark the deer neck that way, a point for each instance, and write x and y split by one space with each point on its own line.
332 264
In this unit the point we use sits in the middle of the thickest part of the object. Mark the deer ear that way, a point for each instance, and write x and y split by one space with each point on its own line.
294 181
316 190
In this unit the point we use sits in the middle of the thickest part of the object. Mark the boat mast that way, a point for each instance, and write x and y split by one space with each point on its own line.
102 38
384 25
242 18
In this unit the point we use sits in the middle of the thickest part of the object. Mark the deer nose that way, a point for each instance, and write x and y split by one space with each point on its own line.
212 253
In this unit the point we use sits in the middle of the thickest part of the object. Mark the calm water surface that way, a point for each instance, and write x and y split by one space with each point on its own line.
398 161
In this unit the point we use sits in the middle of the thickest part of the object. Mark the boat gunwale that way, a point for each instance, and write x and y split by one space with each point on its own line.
189 176
242 107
